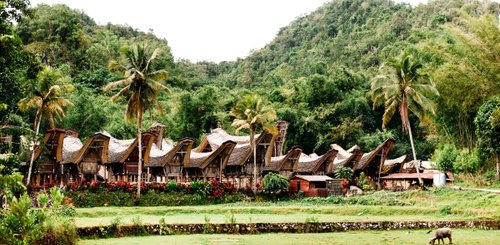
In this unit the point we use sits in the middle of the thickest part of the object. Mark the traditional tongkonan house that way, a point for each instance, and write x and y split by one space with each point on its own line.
208 164
123 158
92 158
371 162
47 169
240 163
239 168
167 160
284 165
167 163
344 158
316 165
394 165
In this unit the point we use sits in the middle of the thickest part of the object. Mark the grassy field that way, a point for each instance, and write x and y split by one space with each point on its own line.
408 237
445 204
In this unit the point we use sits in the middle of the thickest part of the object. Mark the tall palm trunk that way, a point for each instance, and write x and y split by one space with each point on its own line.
498 167
252 143
139 166
38 119
417 166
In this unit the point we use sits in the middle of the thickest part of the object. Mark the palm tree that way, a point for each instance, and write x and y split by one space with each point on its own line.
404 86
140 86
251 114
46 96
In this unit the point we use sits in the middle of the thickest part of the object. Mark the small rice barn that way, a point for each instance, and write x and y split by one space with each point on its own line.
405 181
315 185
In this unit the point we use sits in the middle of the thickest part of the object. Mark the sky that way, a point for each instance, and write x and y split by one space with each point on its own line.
198 30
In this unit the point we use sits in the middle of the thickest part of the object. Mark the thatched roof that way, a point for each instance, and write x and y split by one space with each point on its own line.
428 175
394 165
203 159
241 152
345 158
156 154
117 148
368 158
409 167
52 140
71 147
99 142
311 163
276 163
314 178
159 158
120 150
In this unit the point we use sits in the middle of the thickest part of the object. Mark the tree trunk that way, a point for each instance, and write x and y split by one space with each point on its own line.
139 166
380 169
38 119
498 167
417 166
254 150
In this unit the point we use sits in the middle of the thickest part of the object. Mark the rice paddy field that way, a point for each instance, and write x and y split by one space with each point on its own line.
417 205
408 237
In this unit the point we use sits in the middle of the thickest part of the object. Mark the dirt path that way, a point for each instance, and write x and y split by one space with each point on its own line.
477 189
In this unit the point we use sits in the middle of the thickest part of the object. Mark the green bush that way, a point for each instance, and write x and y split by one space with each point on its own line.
50 224
377 198
446 158
171 186
9 164
344 173
20 224
275 184
86 199
467 162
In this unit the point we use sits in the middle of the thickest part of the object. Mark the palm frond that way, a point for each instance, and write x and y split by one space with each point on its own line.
390 108
120 93
121 83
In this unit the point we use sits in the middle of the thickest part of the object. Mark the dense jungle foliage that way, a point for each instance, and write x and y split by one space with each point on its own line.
316 74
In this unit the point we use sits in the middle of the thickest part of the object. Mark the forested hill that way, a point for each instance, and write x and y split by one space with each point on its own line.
355 34
316 74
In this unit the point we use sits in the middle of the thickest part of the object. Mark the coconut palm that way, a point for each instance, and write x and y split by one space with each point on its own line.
140 85
251 114
404 86
45 94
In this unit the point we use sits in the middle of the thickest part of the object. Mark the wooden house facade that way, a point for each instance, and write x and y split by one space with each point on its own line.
207 165
47 169
284 165
313 185
316 165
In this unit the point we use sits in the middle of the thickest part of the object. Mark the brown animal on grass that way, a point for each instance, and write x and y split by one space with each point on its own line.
441 233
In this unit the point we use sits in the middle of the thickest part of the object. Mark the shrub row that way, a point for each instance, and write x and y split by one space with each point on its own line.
121 193
377 198
87 199
252 228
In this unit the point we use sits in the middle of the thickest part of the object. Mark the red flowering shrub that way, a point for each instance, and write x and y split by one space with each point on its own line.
158 187
229 187
144 186
121 184
344 183
94 186
112 187
73 186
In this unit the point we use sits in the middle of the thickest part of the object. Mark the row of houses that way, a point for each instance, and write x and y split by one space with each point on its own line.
62 157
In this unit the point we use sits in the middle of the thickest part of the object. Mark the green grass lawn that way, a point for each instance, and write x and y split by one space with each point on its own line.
219 213
444 204
408 237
